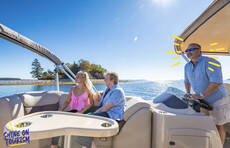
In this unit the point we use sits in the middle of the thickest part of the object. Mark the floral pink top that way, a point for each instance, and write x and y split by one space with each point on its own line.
79 102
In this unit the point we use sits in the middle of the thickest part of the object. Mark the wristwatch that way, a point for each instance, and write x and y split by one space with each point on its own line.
188 95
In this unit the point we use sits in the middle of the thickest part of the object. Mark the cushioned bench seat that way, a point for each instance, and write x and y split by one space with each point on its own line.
18 105
137 117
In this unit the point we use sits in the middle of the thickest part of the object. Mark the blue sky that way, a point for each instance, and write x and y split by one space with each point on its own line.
130 37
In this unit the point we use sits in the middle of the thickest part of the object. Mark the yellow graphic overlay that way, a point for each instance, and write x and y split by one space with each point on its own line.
178 52
11 127
19 125
170 51
210 68
217 65
214 57
18 144
220 49
213 44
175 58
176 64
211 50
177 44
178 38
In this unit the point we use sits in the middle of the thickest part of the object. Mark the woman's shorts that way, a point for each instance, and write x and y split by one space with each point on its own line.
221 111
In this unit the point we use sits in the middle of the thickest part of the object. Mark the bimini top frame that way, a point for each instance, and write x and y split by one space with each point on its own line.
23 41
210 30
12 36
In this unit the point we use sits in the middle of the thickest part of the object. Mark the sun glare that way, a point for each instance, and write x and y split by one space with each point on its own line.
163 2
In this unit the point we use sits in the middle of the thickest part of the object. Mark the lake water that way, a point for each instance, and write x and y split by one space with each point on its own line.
144 89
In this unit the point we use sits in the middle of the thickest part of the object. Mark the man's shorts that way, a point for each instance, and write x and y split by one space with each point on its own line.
221 111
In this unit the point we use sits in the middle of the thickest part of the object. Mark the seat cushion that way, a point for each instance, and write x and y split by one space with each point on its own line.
227 86
40 101
5 116
62 101
133 105
16 106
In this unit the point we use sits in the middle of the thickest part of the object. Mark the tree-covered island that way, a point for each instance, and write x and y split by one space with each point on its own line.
95 71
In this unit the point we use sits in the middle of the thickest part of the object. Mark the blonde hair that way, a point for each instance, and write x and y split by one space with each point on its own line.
88 83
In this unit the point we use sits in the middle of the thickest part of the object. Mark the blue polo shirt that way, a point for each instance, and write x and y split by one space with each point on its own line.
200 74
115 96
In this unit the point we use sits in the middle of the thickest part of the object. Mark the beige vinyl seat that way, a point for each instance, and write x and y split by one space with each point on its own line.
136 132
12 107
137 117
136 129
227 86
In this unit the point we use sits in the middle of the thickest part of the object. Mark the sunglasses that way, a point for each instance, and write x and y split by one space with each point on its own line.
190 49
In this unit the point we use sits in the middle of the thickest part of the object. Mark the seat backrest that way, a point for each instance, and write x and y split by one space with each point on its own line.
5 116
133 105
136 132
227 125
11 107
40 101
15 106
227 86
62 101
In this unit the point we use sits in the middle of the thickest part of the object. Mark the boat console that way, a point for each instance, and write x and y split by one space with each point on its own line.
179 123
174 102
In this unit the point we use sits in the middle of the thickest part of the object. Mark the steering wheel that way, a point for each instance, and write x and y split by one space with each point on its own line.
197 104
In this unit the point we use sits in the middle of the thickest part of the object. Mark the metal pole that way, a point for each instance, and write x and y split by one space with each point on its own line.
63 70
67 138
67 141
57 79
67 68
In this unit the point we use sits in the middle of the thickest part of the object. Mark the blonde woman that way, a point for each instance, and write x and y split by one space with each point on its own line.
80 98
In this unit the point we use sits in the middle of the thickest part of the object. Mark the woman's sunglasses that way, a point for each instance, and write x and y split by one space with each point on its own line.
190 49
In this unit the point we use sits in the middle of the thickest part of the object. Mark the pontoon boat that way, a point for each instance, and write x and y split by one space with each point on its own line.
168 123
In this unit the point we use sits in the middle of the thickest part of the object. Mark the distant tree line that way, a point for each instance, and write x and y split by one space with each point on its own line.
10 79
95 71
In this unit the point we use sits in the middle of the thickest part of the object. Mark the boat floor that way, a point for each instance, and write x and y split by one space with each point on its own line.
227 144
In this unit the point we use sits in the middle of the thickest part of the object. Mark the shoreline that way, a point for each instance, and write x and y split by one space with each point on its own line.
53 82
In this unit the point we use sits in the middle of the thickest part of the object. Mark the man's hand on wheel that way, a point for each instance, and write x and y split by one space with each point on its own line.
187 96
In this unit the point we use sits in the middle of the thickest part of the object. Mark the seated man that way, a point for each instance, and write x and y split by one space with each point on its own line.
113 99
